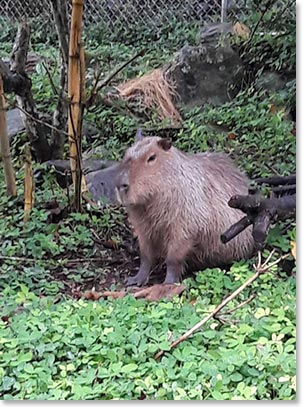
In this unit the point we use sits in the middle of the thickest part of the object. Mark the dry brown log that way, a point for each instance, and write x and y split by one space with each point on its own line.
5 149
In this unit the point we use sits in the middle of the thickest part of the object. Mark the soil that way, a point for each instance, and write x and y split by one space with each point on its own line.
110 266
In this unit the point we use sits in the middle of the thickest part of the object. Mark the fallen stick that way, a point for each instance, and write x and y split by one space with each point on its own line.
260 269
230 311
27 260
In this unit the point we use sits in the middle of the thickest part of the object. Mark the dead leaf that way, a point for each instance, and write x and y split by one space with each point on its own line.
95 295
114 294
241 30
5 318
273 109
154 293
92 295
293 249
158 291
276 109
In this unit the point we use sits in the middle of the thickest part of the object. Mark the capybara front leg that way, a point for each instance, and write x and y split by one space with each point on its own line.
175 261
142 277
174 270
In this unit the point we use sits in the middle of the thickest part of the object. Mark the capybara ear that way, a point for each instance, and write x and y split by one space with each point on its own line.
165 143
139 136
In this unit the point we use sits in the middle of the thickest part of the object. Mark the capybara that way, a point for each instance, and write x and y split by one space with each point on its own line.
177 204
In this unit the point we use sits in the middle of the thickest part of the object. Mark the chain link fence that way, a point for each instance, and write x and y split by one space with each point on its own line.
153 13
129 13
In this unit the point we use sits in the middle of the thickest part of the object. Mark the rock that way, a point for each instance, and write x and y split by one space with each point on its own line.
101 184
14 122
63 173
32 60
89 131
271 81
208 73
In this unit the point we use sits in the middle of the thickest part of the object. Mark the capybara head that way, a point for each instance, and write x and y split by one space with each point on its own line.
142 168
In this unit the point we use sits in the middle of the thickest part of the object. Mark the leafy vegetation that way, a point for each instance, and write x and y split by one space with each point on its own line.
56 345
86 350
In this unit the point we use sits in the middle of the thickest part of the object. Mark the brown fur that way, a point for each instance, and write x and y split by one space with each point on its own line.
177 204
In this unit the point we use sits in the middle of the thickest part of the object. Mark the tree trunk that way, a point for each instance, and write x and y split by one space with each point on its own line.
59 9
4 147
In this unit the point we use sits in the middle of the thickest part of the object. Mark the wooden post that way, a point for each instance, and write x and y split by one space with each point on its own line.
28 184
74 95
4 147
224 5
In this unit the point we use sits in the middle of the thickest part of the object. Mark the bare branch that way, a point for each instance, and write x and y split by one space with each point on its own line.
98 86
40 121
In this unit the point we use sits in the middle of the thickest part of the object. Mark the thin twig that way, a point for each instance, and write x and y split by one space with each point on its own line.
266 7
27 260
259 270
108 79
230 311
50 79
269 257
274 263
41 121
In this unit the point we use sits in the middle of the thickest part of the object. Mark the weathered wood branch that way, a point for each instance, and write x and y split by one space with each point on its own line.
35 131
261 213
275 181
14 82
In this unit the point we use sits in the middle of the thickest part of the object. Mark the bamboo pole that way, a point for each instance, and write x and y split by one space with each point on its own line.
74 96
4 147
83 99
28 185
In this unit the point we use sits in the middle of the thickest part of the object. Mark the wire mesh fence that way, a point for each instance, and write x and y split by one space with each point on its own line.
127 12
151 13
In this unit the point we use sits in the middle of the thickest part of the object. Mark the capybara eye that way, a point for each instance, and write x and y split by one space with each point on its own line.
151 158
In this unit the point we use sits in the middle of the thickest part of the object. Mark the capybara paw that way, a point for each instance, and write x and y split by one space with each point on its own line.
171 279
137 280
